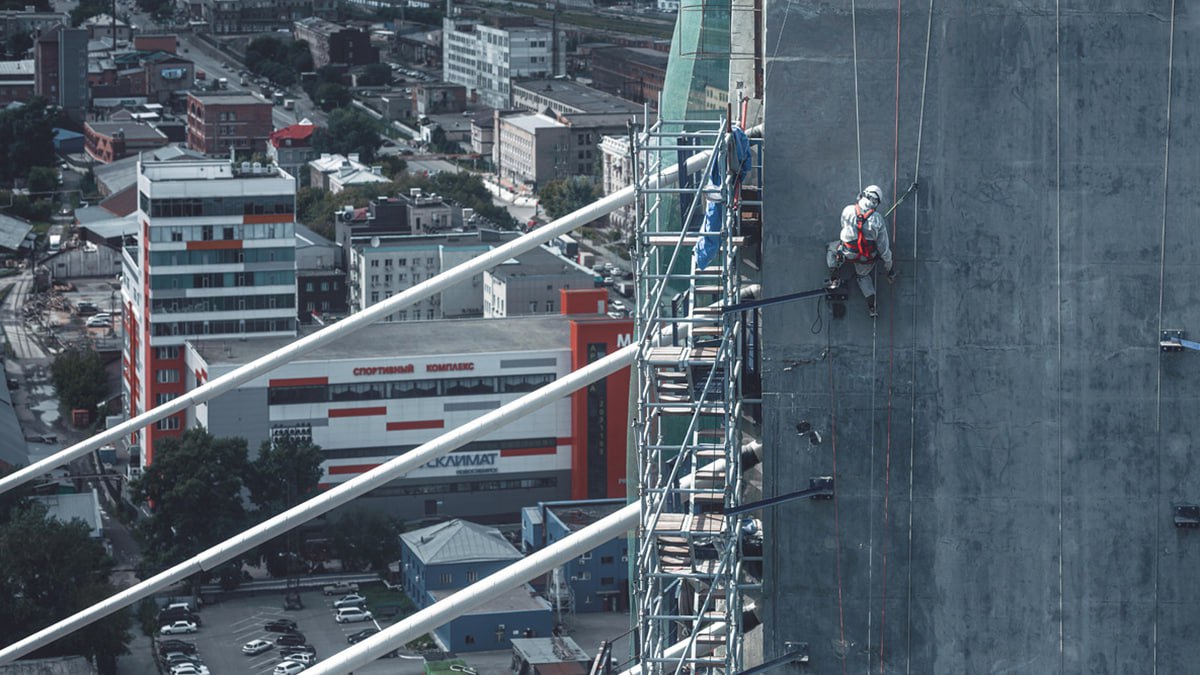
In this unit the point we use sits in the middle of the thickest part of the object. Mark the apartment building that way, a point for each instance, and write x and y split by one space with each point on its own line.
485 57
219 123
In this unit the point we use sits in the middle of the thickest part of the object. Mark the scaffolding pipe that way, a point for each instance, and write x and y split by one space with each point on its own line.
353 323
377 477
677 650
476 594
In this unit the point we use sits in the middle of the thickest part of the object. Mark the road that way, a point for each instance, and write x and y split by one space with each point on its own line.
20 334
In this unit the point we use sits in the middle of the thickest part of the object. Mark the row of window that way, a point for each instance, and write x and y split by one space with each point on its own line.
401 262
452 488
237 232
309 287
192 207
224 257
227 327
376 391
228 303
474 446
223 280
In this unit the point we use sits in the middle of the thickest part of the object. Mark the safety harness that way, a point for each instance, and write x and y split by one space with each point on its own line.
861 249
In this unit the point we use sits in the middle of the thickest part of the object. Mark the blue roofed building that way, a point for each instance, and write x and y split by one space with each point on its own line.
599 579
439 560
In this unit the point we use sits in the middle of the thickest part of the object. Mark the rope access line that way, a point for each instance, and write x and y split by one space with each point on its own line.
1162 290
912 400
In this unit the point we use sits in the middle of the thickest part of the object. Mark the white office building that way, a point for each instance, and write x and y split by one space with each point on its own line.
486 57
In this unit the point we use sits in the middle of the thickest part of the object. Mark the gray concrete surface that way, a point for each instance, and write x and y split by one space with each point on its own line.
1007 438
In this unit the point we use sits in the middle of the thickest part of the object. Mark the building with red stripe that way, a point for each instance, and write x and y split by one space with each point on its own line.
395 385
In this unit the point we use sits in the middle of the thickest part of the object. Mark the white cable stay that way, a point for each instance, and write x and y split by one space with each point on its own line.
377 477
351 324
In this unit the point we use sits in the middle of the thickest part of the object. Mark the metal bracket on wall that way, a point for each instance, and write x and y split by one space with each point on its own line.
1187 515
1172 341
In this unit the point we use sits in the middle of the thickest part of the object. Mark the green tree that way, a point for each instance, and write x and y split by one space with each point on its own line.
26 139
195 486
563 196
365 540
284 474
440 144
86 9
18 44
277 61
63 573
80 379
331 96
42 179
375 74
349 130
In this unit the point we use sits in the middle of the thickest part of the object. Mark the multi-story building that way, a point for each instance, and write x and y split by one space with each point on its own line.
599 579
330 43
485 57
436 98
381 267
617 174
320 277
20 21
633 73
16 81
290 148
106 142
104 27
221 122
375 395
215 257
531 149
531 283
335 173
60 58
257 16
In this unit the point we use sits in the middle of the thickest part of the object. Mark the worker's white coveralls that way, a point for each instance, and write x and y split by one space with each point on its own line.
861 248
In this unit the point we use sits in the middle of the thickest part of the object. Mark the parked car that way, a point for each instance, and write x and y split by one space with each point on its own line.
190 669
288 668
352 615
166 616
354 600
256 647
303 658
85 307
168 646
340 588
178 627
99 322
291 639
177 659
287 653
355 638
281 626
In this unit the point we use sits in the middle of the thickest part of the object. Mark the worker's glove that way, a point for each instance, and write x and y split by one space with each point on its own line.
839 257
891 275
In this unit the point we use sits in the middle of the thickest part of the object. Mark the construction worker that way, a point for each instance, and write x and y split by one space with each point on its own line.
864 239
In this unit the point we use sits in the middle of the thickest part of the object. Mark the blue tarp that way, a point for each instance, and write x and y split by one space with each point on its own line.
714 214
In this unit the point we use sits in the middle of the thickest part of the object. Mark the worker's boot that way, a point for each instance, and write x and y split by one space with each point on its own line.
871 311
834 282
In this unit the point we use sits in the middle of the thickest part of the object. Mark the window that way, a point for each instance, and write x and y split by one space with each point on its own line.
163 398
585 557
374 263
308 286
324 286
447 578
169 424
469 639
168 375
472 577
606 560
167 352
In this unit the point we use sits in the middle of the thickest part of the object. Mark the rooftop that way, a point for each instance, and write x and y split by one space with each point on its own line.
132 130
234 98
296 132
579 514
532 123
459 541
13 231
520 599
16 69
411 339
81 506
576 95
549 650
541 261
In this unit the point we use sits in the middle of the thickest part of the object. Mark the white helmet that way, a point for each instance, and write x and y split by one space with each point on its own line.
872 196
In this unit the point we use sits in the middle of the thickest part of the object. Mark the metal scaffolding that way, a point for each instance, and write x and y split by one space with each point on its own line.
691 574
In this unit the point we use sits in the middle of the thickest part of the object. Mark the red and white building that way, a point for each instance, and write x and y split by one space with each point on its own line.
393 386
215 258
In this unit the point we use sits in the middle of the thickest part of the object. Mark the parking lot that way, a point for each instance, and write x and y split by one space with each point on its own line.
232 623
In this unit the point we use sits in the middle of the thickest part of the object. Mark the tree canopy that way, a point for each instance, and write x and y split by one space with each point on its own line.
375 74
65 572
195 485
284 474
279 61
79 378
560 197
365 540
26 139
349 130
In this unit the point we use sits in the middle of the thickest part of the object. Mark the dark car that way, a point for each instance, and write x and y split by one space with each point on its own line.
167 616
173 645
291 639
355 638
281 626
285 652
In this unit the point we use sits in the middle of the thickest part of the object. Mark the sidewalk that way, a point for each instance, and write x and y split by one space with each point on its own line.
508 195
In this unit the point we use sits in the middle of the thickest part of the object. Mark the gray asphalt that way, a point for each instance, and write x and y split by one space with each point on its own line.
1008 440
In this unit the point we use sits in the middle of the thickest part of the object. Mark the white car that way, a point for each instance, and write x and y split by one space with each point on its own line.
288 668
99 322
353 600
189 669
256 647
303 658
352 615
178 627
334 589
